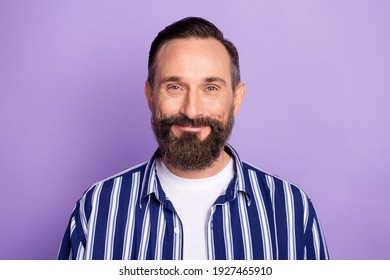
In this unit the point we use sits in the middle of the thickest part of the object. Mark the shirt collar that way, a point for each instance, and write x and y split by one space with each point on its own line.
150 182
239 186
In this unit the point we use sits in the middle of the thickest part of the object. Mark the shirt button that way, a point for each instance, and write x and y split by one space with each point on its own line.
176 230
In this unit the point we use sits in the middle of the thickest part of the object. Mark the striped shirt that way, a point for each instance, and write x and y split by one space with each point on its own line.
259 216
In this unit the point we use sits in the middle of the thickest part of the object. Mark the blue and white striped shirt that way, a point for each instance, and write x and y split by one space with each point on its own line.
128 216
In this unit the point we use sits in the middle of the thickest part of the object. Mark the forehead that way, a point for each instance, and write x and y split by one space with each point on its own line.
193 54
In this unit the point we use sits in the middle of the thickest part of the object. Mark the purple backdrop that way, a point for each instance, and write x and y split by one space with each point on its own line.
72 108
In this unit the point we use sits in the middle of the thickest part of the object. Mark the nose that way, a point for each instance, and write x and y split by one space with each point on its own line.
192 106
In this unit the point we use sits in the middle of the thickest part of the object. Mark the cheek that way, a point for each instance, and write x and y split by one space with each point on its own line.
164 107
219 110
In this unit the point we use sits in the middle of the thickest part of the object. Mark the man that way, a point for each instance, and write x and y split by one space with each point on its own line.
195 198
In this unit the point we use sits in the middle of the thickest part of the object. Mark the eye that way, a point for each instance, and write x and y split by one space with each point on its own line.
173 88
211 88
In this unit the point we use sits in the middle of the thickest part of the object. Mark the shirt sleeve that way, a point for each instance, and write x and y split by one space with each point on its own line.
73 242
315 245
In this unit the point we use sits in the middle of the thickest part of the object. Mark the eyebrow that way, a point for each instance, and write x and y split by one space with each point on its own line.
171 79
215 79
206 80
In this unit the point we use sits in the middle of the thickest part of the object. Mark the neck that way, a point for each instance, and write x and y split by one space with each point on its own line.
218 165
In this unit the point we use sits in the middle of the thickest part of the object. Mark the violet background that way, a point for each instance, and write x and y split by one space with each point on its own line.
72 108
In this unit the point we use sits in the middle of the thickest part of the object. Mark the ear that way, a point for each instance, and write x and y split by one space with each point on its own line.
148 94
238 97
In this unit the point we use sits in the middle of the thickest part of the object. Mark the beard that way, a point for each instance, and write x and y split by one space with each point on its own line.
188 152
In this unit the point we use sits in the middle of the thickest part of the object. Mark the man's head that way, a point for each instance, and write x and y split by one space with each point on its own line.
194 91
192 27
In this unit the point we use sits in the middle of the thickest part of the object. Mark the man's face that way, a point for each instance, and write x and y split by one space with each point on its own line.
193 102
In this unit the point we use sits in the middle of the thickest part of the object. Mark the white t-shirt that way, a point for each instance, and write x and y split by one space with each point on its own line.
192 199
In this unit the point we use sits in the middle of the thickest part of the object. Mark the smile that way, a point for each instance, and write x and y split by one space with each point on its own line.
189 128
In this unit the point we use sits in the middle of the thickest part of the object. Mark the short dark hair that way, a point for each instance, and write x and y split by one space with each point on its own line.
192 27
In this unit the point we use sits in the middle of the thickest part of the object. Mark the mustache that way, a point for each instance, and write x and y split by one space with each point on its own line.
185 121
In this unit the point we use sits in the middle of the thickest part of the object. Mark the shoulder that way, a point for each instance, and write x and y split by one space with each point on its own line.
286 200
115 192
275 185
117 184
136 169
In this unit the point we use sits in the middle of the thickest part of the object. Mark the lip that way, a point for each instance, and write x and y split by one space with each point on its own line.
190 128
